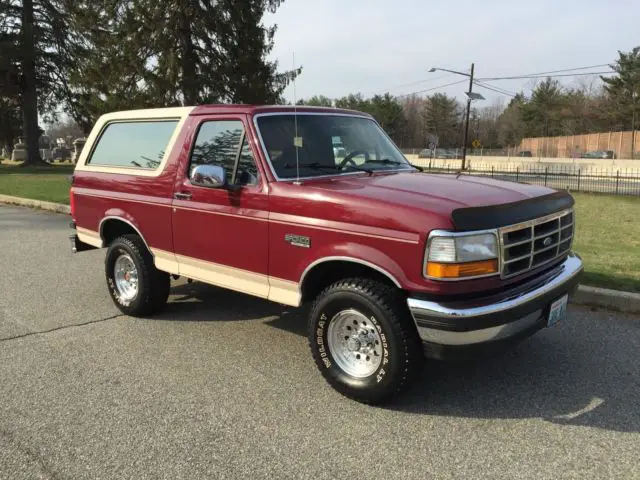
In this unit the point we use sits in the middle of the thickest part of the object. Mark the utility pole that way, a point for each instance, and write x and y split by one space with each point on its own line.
466 127
470 96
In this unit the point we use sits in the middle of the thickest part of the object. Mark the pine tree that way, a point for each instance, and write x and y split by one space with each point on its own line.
205 51
244 44
624 90
510 123
34 33
442 117
156 53
10 106
108 68
354 102
29 92
317 101
542 114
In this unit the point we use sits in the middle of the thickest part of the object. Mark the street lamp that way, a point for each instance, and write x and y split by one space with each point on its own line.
470 96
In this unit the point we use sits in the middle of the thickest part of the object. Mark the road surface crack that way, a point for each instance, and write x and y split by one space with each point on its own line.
63 327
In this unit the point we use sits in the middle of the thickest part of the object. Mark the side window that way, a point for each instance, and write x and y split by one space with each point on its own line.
247 170
217 144
133 144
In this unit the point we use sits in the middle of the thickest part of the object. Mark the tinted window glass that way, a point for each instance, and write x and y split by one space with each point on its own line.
247 170
217 144
133 144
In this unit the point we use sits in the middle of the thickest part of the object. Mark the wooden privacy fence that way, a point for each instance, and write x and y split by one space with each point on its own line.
575 145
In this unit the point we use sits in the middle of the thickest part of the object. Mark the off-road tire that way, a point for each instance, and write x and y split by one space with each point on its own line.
403 356
153 284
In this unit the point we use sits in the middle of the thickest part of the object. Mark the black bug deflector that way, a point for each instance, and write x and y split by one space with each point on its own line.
494 216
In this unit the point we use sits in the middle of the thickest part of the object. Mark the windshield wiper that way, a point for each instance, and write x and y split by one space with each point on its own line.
320 166
387 161
358 169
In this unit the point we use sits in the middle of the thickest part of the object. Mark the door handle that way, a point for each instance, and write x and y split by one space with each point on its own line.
182 195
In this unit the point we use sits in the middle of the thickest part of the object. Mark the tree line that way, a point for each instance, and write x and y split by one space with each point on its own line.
86 58
551 109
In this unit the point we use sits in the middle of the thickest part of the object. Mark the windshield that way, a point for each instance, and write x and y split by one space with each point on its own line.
327 145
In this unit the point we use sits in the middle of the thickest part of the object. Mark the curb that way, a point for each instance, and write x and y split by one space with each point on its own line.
29 202
625 302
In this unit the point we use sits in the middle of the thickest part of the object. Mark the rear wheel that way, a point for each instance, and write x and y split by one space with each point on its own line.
136 286
364 341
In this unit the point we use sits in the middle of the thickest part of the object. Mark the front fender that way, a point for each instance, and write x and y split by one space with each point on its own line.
357 253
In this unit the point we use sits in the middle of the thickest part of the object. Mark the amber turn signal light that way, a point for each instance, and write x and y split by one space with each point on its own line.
461 270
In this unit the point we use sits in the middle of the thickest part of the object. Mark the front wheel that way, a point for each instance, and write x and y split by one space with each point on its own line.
364 341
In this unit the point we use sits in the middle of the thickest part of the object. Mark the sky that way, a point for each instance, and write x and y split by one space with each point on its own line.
374 46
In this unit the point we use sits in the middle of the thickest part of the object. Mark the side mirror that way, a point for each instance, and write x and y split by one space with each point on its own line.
212 176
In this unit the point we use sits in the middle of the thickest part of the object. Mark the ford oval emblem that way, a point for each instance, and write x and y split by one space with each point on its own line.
547 241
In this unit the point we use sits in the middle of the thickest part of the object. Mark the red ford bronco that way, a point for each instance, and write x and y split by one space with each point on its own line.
397 263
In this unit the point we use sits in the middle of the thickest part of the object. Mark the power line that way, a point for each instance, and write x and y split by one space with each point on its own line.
518 77
551 71
413 83
496 89
493 89
514 77
433 88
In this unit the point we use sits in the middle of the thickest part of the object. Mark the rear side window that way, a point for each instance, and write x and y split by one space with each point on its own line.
133 144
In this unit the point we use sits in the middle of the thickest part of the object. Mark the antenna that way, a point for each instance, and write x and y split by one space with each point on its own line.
296 141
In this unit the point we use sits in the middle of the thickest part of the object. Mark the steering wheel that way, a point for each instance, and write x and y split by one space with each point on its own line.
349 158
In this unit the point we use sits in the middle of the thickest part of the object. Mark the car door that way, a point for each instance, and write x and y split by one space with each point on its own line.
220 233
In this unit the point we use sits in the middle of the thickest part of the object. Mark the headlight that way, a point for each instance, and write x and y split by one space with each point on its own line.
461 255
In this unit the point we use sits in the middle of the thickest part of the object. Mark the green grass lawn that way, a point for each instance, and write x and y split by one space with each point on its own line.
607 229
608 239
42 183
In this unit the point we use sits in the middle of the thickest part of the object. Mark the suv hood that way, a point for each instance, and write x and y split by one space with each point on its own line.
439 194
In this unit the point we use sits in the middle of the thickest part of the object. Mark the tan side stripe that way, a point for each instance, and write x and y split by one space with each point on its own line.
284 291
260 285
165 261
89 237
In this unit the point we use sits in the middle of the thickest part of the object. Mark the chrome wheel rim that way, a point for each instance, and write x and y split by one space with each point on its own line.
354 343
125 275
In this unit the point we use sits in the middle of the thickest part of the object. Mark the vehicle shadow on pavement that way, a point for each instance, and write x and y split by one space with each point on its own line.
584 373
199 302
581 373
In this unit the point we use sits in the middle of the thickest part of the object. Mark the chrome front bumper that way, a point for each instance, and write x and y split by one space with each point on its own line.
496 317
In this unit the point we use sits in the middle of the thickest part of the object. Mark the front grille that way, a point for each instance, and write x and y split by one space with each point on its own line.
533 243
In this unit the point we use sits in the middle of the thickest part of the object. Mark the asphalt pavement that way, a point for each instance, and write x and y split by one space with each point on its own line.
222 385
